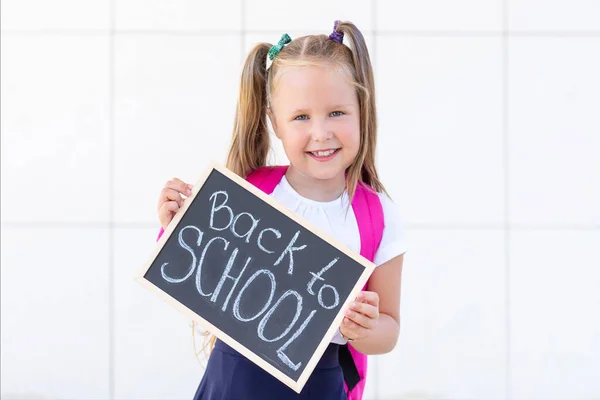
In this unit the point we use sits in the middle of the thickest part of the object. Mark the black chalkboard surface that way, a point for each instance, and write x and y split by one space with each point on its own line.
260 278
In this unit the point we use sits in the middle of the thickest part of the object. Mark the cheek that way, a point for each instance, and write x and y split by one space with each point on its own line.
349 135
294 139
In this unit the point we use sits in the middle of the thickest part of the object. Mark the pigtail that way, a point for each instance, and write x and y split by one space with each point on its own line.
363 169
250 140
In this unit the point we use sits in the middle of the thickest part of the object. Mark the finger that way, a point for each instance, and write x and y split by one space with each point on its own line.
169 194
167 209
179 186
369 297
365 309
362 320
352 330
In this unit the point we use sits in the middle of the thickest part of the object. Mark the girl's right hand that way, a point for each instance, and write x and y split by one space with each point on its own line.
171 200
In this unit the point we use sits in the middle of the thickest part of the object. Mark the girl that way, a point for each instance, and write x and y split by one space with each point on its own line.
319 96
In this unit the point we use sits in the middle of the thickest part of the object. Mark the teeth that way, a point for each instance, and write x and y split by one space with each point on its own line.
323 153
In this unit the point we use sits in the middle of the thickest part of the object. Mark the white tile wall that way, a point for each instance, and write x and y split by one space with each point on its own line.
554 145
55 313
453 339
55 128
311 15
440 133
154 353
175 99
554 15
439 15
489 144
178 15
555 330
62 15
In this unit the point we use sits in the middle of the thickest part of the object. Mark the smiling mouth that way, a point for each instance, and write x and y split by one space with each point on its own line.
323 153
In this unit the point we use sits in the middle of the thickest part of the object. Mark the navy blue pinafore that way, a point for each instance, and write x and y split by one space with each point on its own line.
231 376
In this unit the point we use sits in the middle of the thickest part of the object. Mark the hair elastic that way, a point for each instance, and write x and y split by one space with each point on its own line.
335 35
275 49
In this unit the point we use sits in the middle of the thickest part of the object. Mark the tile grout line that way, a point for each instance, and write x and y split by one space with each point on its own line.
417 226
422 33
506 184
243 31
111 205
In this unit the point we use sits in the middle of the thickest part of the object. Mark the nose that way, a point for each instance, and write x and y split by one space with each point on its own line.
320 132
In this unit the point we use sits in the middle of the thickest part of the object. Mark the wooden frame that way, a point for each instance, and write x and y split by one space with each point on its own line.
369 267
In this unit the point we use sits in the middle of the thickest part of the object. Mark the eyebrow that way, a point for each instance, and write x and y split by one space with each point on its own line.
300 111
306 110
342 105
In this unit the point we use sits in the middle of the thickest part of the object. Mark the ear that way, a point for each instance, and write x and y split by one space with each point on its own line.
273 121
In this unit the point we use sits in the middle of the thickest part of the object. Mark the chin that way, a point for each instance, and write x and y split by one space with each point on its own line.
325 173
322 171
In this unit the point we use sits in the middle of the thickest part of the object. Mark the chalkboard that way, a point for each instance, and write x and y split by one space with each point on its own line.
254 274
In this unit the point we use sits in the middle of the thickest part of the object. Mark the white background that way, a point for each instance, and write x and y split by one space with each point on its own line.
489 143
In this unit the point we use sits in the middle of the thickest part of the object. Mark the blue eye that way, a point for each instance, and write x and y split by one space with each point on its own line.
301 117
337 113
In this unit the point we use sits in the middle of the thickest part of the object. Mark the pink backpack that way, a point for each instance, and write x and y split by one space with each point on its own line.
369 216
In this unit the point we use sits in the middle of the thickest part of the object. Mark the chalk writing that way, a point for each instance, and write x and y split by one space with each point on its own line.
254 273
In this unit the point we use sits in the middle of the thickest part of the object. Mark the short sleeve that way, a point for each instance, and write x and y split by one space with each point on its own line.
393 242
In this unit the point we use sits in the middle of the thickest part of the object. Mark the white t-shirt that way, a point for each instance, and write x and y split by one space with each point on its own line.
333 218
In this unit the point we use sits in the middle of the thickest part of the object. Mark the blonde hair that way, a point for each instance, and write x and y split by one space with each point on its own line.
251 141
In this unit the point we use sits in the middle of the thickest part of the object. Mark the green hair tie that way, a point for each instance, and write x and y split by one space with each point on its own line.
275 49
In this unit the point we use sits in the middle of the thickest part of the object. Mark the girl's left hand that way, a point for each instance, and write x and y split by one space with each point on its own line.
361 318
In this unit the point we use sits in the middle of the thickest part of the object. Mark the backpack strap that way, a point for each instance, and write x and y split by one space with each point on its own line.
369 217
267 178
